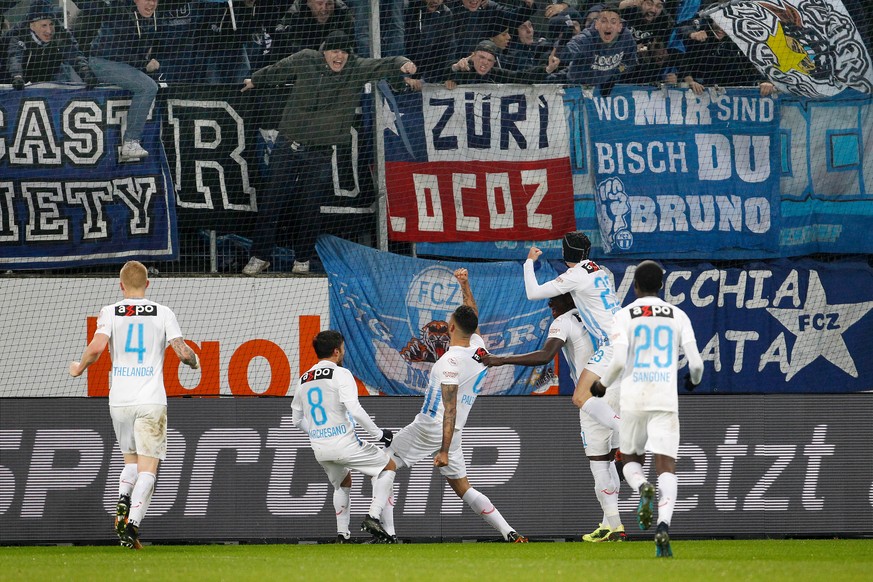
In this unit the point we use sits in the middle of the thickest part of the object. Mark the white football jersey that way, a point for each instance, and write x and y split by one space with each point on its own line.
592 292
578 343
651 331
320 395
462 367
138 331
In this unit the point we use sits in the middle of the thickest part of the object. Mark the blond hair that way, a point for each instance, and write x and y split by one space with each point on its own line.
134 275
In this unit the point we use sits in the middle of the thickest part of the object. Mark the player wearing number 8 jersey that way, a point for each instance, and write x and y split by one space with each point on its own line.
647 336
326 407
137 331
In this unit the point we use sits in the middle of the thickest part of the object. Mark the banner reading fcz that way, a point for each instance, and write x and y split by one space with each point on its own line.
478 163
65 199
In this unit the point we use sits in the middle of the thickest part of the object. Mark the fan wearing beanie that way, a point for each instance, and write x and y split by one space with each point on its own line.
318 115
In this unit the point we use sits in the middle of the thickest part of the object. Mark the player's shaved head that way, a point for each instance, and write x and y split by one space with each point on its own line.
649 277
325 342
466 319
134 275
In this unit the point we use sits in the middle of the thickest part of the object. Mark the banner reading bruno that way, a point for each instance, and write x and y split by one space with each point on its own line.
775 327
478 163
65 199
673 170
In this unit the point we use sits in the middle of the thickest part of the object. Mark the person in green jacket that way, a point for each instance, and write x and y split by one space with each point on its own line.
318 115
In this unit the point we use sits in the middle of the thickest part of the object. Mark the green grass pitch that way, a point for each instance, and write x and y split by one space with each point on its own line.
729 560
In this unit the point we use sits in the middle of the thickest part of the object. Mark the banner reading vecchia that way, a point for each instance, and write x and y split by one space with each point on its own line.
478 163
65 199
674 170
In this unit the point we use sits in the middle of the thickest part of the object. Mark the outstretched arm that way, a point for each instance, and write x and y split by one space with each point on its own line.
537 358
533 289
450 411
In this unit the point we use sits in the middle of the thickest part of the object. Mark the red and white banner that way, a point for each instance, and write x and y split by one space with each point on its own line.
478 163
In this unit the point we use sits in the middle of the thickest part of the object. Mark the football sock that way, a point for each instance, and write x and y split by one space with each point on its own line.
668 486
387 518
341 506
141 497
383 484
633 474
602 412
127 479
483 506
607 494
615 481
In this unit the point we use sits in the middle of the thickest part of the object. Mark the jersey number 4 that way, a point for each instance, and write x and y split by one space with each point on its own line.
135 334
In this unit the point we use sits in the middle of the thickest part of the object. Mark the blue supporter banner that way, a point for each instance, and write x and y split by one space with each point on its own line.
65 199
783 326
392 311
683 172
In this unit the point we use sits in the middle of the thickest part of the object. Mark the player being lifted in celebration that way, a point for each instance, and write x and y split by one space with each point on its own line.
571 337
454 381
325 402
137 331
647 336
591 288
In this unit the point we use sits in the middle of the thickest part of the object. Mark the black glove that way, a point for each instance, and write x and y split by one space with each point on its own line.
18 82
90 79
387 437
689 385
598 389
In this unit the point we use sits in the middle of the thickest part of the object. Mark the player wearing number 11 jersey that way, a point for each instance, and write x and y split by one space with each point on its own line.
647 336
137 332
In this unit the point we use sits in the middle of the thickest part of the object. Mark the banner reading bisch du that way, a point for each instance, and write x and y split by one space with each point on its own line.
692 174
478 163
65 199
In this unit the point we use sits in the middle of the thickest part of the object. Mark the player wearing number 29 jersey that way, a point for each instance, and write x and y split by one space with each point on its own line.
138 330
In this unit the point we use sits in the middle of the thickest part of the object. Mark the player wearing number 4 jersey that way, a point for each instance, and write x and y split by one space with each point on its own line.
326 406
647 336
454 381
137 332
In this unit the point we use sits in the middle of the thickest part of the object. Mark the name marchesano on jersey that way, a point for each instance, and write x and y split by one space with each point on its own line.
317 374
136 310
651 311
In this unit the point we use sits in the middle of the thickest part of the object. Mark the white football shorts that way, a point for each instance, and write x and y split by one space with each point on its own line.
600 360
656 431
423 439
361 456
141 429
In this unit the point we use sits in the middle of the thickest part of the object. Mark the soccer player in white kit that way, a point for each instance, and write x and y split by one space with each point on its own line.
568 334
647 336
454 381
326 407
137 331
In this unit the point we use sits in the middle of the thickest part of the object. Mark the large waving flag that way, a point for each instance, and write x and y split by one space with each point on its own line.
806 47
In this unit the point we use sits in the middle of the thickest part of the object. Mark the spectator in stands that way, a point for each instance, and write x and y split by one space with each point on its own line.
526 51
259 47
124 53
223 55
650 27
87 22
391 26
40 50
430 39
472 21
712 58
601 55
479 68
318 116
498 33
177 32
307 23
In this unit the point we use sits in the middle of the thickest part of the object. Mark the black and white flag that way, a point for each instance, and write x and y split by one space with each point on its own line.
805 47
